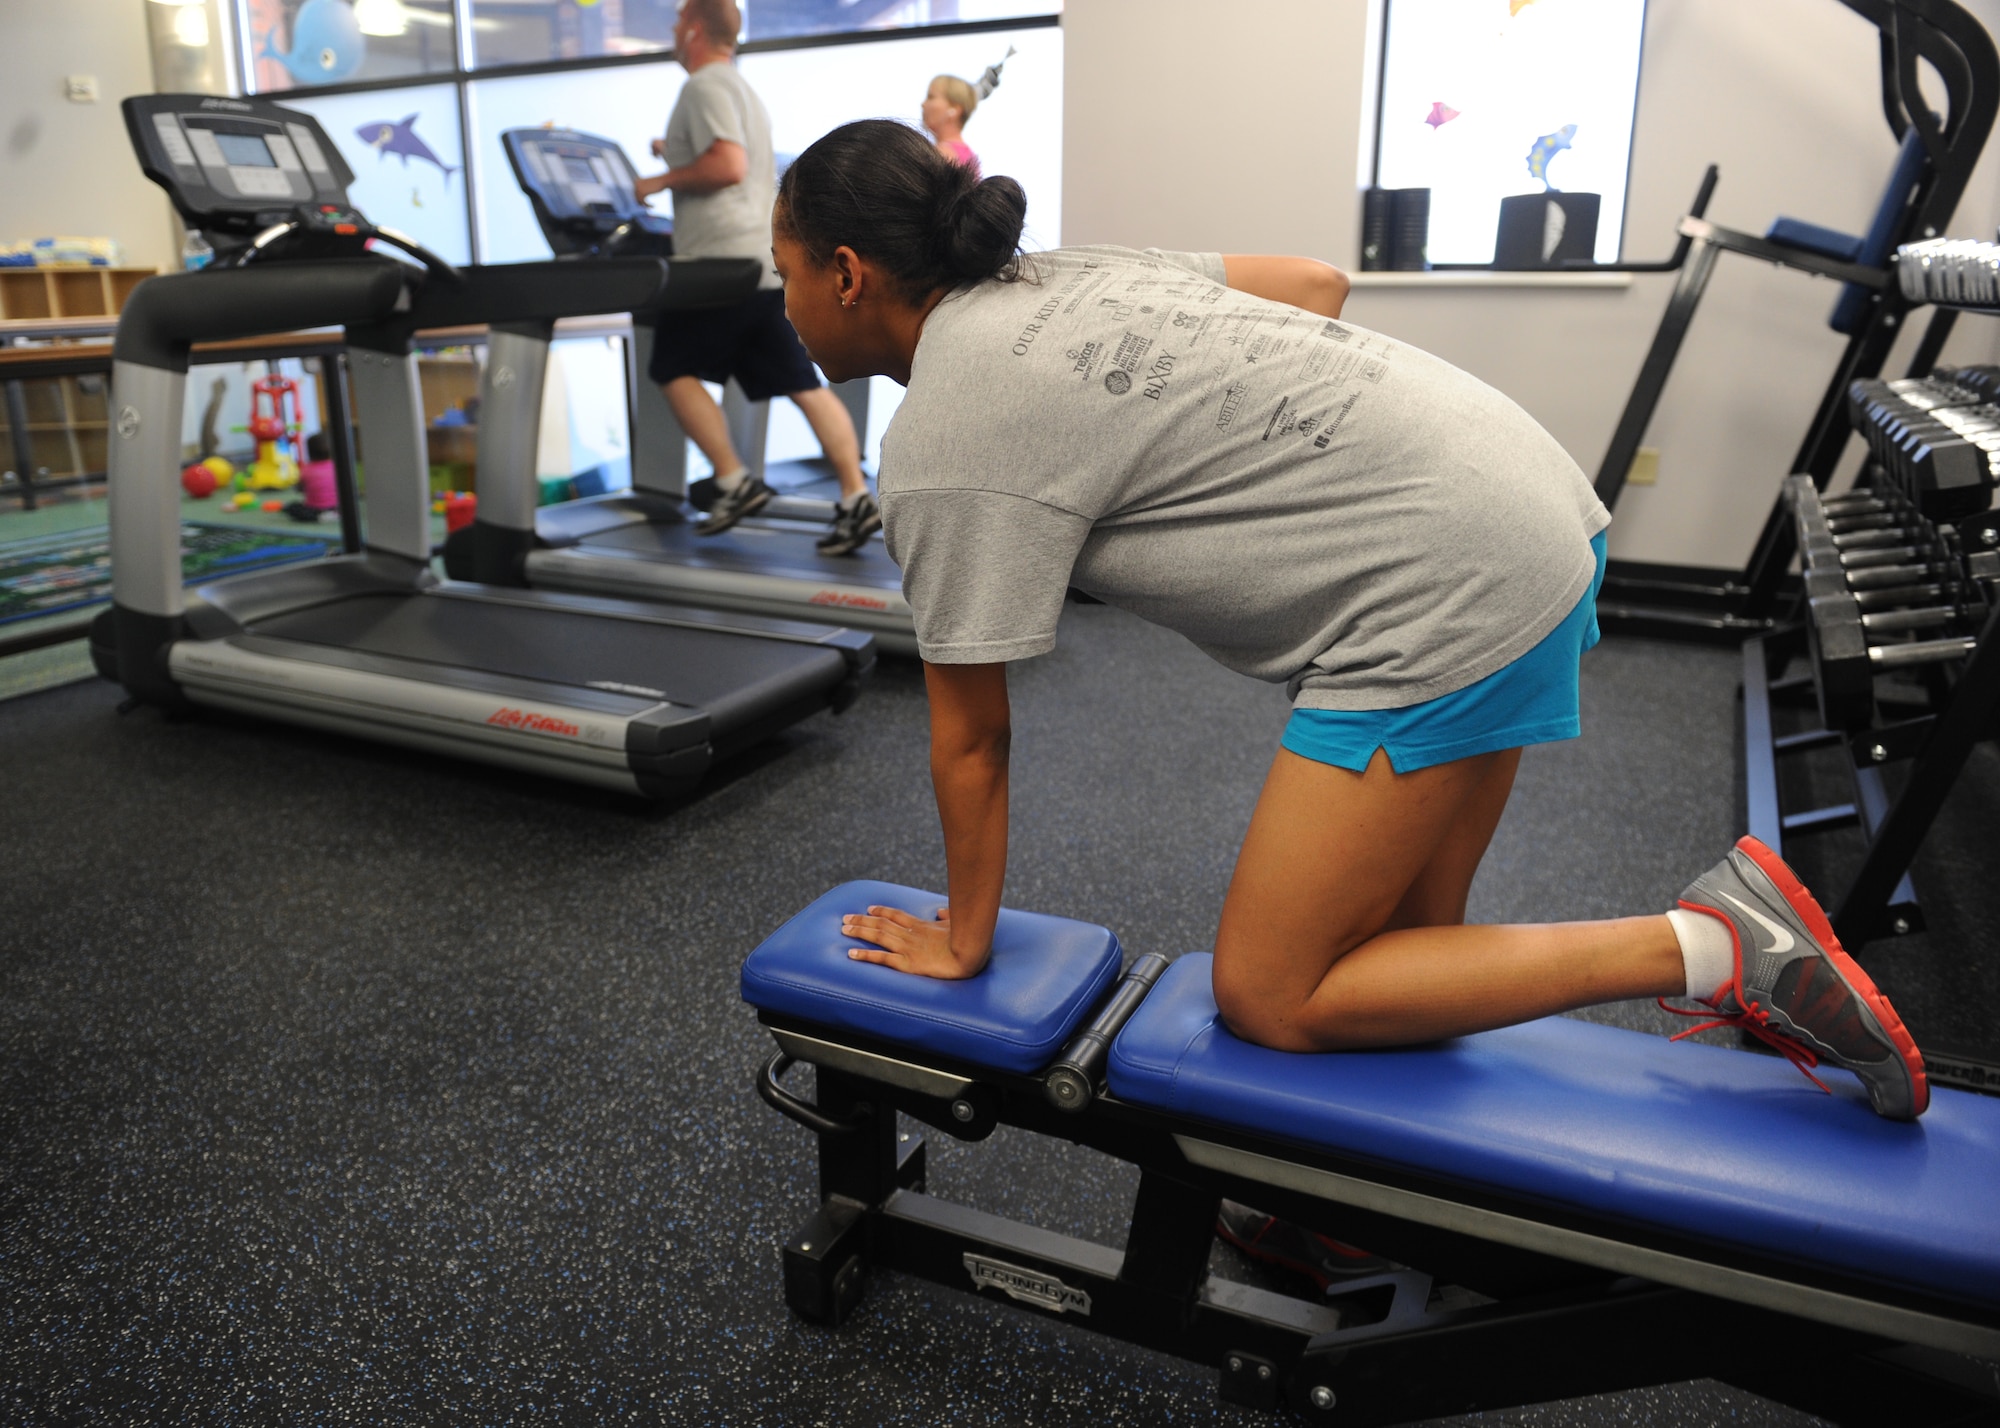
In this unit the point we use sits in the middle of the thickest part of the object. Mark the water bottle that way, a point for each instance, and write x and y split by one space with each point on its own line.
195 251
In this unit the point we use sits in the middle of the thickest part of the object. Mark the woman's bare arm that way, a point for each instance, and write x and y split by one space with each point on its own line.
971 727
1303 282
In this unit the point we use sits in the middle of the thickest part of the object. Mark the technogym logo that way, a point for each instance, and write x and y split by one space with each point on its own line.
1043 1291
533 723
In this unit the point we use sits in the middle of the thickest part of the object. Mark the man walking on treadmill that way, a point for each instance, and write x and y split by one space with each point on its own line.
721 172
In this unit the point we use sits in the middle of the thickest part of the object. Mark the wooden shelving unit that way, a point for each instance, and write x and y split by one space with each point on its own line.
67 292
57 427
68 427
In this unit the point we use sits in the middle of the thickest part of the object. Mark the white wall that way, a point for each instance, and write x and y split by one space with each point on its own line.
67 168
1782 94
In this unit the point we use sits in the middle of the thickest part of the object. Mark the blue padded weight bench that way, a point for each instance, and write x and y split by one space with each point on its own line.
1581 1209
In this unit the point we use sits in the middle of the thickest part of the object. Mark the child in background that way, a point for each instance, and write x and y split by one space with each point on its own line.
948 103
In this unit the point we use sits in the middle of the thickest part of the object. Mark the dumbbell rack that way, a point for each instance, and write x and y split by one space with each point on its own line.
1899 624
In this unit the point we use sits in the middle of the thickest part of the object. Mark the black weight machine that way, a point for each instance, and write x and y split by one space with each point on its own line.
1932 167
1900 642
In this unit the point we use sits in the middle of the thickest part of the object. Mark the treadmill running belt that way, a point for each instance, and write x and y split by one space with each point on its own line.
756 550
736 678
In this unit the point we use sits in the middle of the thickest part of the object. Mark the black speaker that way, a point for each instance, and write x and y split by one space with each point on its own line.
1409 229
1375 207
1546 230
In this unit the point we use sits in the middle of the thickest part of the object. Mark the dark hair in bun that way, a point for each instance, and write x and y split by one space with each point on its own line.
881 188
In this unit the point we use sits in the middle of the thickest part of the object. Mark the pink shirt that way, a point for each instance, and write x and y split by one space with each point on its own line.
961 153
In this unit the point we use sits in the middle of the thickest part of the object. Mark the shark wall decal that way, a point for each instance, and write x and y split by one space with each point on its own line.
401 139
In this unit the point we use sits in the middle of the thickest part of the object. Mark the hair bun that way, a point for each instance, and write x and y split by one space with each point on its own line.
979 224
884 190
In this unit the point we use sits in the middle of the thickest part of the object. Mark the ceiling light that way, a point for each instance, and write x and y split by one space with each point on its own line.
191 26
381 17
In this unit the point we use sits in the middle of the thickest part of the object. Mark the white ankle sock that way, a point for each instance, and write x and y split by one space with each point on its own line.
733 479
846 503
1708 952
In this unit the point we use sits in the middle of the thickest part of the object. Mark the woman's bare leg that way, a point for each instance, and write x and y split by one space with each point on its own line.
1343 926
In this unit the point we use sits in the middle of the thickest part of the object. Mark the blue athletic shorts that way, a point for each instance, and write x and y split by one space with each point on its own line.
1531 701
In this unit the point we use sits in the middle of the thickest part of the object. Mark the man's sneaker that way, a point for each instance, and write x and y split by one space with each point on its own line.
852 525
746 498
1796 988
1284 1244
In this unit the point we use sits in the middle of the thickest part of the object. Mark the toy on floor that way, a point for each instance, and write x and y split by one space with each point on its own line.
457 507
202 479
274 419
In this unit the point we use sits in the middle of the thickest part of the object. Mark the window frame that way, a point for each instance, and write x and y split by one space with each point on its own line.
1381 86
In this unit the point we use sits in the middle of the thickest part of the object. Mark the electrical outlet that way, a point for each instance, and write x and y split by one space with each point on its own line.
1645 468
80 88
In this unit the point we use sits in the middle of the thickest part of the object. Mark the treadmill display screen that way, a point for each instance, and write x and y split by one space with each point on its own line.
245 150
578 170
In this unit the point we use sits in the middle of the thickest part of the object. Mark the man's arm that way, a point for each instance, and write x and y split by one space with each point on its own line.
971 728
723 163
1303 282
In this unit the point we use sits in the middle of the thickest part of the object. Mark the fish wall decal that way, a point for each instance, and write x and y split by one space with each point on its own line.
1544 151
327 44
401 140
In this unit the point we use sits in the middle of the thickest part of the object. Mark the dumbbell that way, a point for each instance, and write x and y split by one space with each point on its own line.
1848 651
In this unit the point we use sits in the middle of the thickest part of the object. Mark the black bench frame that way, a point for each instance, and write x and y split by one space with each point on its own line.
1506 1302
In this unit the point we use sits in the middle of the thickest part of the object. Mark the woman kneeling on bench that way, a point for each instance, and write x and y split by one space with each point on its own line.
1193 438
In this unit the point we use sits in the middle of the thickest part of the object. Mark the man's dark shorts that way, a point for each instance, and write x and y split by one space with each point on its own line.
751 342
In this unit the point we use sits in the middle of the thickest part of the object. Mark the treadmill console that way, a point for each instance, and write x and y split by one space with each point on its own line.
581 189
258 180
234 165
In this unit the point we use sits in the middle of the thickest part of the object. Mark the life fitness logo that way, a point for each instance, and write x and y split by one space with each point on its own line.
849 602
534 723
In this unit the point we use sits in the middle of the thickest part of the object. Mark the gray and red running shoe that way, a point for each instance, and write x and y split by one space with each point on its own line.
1321 1258
1796 989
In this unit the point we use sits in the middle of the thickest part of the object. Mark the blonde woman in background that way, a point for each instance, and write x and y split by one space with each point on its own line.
948 103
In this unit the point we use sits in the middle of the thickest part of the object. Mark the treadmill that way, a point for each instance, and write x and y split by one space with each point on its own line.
643 543
640 699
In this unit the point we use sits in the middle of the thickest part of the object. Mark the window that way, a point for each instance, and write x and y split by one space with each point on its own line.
408 160
406 88
303 44
1483 99
628 103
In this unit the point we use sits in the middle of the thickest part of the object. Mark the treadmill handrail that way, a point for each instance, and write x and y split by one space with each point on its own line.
496 294
166 316
705 282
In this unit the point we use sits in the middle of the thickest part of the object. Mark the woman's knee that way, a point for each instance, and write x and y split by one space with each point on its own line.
1261 1012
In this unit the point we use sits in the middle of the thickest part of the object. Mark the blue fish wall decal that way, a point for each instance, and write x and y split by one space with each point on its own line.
327 45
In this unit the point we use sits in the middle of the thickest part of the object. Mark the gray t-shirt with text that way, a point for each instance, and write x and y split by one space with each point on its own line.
1307 501
734 222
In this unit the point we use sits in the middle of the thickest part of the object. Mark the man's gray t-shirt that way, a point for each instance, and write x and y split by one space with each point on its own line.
734 222
1307 501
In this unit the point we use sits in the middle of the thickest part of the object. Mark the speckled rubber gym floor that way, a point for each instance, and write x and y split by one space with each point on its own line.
343 1085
